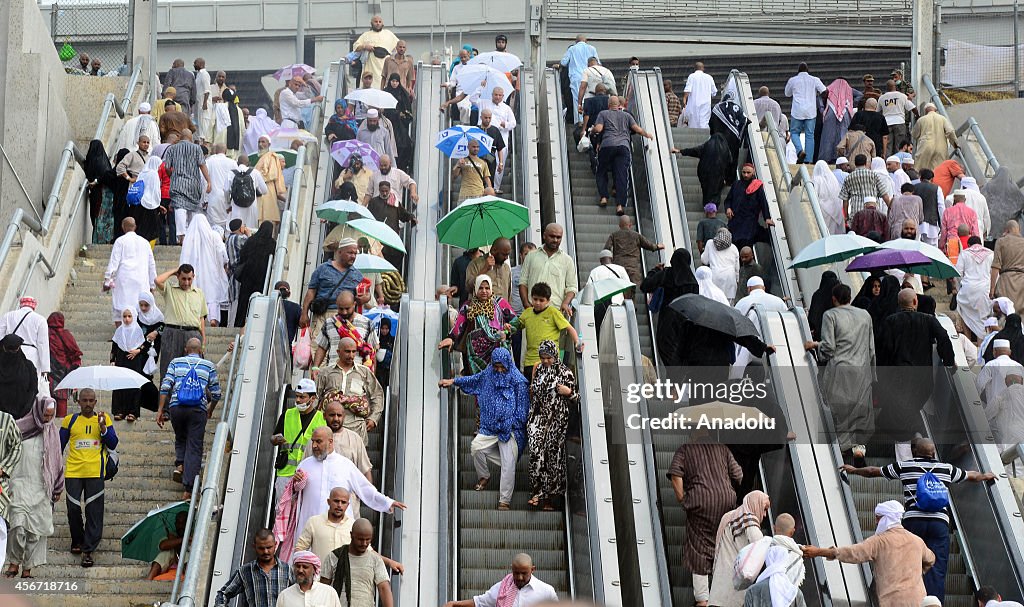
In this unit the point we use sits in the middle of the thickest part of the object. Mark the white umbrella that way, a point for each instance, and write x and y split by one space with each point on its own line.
373 264
102 377
484 79
499 60
373 98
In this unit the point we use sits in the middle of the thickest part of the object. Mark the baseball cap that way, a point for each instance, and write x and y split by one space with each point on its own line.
306 386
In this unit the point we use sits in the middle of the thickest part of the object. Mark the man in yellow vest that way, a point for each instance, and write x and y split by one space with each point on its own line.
294 429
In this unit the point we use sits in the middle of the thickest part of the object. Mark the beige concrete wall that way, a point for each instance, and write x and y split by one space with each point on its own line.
1000 122
34 125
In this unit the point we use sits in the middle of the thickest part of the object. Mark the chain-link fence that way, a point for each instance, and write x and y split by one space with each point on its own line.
97 29
981 51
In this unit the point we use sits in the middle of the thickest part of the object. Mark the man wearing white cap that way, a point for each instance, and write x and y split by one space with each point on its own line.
293 431
896 172
991 380
974 199
143 124
376 136
605 270
756 294
842 169
907 163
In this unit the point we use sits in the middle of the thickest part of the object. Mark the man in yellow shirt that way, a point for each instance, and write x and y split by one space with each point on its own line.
88 436
475 174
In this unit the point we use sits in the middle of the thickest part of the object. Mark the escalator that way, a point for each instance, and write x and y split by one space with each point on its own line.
687 138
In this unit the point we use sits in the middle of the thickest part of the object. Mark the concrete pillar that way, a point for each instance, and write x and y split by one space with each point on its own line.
922 46
142 34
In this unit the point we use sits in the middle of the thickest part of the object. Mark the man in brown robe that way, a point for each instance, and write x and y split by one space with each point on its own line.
899 556
704 477
625 244
1008 265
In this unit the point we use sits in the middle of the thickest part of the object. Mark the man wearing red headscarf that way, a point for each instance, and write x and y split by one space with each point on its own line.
745 206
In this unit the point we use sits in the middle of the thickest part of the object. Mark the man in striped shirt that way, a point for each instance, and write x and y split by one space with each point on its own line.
860 184
186 163
932 527
188 420
260 580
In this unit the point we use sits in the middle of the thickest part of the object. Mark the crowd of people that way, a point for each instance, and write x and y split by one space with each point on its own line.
214 182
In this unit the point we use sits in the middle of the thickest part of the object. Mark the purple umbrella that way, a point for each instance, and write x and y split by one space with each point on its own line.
886 259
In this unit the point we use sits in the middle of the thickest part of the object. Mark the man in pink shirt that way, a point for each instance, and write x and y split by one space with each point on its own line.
958 213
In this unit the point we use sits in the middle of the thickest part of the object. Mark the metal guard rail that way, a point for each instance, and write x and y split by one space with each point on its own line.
970 163
41 227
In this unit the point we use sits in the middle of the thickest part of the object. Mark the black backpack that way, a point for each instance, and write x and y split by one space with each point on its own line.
243 190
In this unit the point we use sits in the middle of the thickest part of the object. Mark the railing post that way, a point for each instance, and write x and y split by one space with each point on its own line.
1016 52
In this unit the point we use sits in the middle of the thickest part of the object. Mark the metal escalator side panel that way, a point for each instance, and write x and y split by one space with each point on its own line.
988 516
641 547
823 513
425 252
759 158
561 190
665 193
601 551
526 149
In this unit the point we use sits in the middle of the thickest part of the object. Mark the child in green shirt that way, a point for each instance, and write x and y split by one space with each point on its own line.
542 321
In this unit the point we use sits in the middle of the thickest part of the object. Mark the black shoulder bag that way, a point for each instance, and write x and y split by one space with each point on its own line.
320 304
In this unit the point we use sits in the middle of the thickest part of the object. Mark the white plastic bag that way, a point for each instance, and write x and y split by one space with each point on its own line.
749 563
583 145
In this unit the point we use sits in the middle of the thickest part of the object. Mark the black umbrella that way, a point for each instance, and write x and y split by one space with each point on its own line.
710 314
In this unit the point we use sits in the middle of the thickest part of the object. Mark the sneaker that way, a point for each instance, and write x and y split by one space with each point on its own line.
176 475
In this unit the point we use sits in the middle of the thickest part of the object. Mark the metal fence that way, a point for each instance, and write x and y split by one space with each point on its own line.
861 12
97 28
980 51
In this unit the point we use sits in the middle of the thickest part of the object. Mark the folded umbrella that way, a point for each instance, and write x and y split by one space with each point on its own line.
373 264
477 222
938 266
454 142
830 249
378 230
373 98
338 211
887 259
288 155
142 541
102 377
482 79
341 152
499 60
295 70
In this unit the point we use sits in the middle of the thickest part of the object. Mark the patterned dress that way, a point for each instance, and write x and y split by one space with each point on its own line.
546 429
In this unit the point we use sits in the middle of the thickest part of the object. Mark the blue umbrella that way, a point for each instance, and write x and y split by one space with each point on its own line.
376 314
454 142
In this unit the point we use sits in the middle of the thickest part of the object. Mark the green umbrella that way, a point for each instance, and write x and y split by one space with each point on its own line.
337 211
372 264
606 288
289 157
142 541
477 222
378 230
832 248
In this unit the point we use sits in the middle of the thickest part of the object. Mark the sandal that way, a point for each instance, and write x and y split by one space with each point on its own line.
620 210
27 575
504 506
602 203
12 571
87 560
118 418
76 550
130 418
481 484
534 501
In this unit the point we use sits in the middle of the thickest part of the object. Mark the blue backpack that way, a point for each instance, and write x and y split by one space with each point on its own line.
192 389
135 193
932 494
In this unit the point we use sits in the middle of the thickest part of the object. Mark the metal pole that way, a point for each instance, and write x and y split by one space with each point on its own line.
300 32
1016 53
155 90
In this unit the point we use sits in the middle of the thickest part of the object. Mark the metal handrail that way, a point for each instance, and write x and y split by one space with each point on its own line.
281 252
970 163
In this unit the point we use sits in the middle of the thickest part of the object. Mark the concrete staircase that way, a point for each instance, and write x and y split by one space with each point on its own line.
147 455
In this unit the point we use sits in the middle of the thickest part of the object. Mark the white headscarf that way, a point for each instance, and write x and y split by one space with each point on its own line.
130 336
878 166
204 250
783 592
154 316
259 125
707 286
1005 305
891 513
151 177
826 186
969 183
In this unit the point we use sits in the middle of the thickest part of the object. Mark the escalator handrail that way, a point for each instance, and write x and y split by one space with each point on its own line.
780 250
526 163
426 262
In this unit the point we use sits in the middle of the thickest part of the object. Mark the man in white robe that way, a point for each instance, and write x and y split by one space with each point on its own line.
756 295
977 201
991 380
502 117
143 124
893 165
30 326
205 92
1006 415
249 215
375 37
700 88
218 201
316 476
131 270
